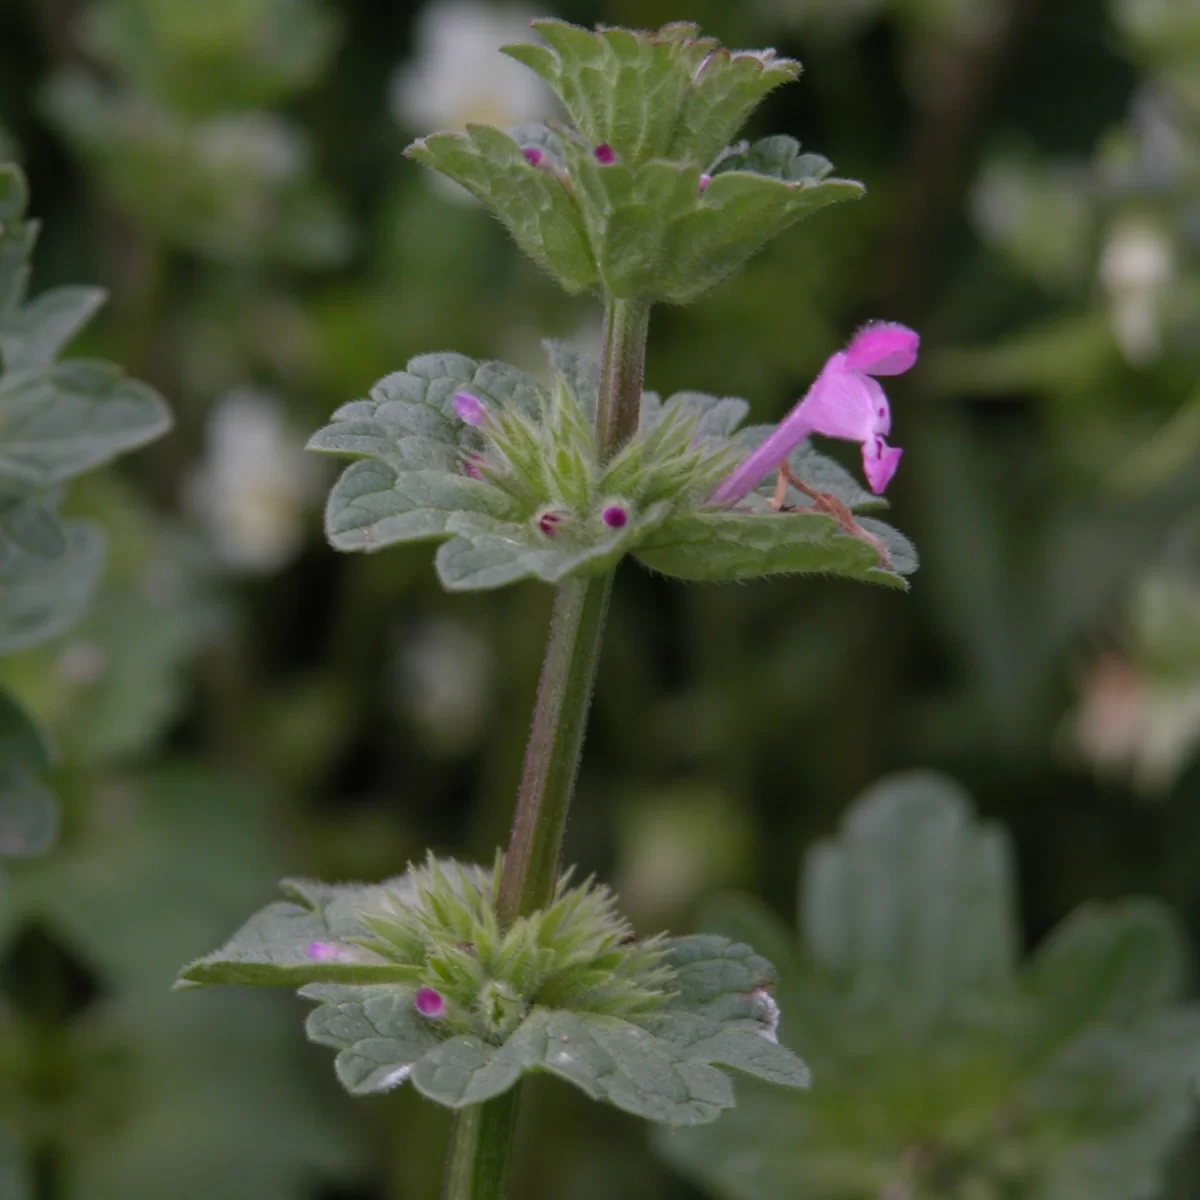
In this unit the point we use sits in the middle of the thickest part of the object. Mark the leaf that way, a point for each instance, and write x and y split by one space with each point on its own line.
620 87
661 1069
71 417
911 908
21 739
723 94
37 607
377 1030
1114 964
273 948
529 200
777 157
31 537
717 546
33 335
741 211
28 814
1074 1078
490 553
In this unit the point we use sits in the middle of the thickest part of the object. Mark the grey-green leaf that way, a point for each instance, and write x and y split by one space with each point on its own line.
724 546
39 606
68 418
275 948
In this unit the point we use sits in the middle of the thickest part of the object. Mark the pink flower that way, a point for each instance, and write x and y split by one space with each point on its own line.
605 155
470 409
533 155
844 402
615 516
429 1003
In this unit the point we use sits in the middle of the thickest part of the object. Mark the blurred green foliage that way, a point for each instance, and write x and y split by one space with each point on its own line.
241 703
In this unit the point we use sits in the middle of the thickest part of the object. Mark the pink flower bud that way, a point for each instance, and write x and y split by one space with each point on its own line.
605 155
430 1004
705 180
533 155
549 522
615 516
470 408
324 952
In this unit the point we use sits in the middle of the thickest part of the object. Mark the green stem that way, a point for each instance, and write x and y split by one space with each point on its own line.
481 1145
480 1150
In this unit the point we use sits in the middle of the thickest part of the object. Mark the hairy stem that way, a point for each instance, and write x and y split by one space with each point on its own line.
481 1145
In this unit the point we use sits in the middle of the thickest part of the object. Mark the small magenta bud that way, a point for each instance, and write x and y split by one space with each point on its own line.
471 466
470 408
604 154
533 155
430 1003
324 952
615 516
548 523
705 180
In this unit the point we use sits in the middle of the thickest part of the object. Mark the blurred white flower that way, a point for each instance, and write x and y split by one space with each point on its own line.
256 484
443 677
1131 723
458 74
1136 266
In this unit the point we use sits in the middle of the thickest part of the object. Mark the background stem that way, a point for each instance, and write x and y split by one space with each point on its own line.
482 1141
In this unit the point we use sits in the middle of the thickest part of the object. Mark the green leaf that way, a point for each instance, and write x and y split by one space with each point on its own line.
489 553
22 740
273 948
723 94
37 607
1073 1078
1114 964
739 213
33 335
911 908
71 417
31 537
28 816
717 546
621 88
661 1068
529 200
602 1019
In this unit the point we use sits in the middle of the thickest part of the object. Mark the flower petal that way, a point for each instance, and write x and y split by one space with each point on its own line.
879 463
883 348
845 403
765 458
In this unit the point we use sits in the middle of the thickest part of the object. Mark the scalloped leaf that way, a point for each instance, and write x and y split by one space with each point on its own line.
28 815
655 234
717 546
624 88
34 334
32 538
36 607
531 201
662 1068
68 418
1074 1076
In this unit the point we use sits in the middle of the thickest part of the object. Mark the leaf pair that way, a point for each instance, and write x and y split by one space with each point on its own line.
642 198
661 1062
417 482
